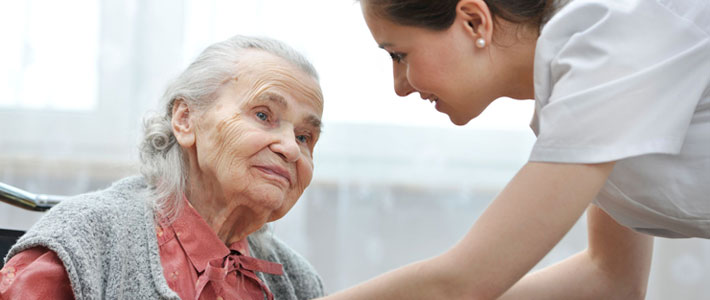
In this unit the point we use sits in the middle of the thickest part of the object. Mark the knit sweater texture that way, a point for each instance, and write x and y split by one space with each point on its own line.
108 245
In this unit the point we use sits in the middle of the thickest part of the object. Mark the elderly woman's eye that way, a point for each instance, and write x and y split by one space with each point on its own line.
262 116
303 138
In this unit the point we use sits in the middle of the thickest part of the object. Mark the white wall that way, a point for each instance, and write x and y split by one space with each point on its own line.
394 181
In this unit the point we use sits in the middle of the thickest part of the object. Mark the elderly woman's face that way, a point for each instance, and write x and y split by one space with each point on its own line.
256 141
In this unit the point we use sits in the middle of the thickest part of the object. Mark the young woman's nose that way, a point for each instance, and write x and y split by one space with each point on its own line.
401 82
286 145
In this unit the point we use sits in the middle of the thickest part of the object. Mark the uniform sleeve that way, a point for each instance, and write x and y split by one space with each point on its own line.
617 80
35 273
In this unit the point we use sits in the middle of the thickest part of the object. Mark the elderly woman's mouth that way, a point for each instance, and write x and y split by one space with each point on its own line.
276 172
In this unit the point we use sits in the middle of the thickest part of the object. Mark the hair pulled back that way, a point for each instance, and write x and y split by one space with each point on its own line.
440 14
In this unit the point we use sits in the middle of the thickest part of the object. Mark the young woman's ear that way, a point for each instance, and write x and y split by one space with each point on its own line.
183 124
477 19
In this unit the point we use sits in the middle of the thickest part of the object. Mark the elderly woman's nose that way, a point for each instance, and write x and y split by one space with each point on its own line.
401 82
286 145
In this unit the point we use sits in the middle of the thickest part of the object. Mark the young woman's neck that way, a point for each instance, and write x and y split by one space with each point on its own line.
516 45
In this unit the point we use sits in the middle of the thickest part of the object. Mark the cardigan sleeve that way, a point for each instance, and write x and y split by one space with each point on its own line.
35 273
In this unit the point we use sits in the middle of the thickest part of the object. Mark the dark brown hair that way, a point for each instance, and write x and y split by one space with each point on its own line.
440 14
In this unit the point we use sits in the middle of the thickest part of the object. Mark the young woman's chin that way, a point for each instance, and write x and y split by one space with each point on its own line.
461 114
459 121
462 119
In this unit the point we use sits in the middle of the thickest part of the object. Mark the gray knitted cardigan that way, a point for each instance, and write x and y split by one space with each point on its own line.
107 242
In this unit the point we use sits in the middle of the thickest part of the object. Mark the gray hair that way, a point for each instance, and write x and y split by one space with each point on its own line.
163 163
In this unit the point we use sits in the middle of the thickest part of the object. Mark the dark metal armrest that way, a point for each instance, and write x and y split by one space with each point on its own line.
7 239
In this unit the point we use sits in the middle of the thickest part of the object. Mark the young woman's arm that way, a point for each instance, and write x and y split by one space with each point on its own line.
523 223
615 266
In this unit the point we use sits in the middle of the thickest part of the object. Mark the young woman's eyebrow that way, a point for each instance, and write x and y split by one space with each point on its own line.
383 45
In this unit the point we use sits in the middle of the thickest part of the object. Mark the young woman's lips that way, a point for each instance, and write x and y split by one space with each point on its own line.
433 99
276 172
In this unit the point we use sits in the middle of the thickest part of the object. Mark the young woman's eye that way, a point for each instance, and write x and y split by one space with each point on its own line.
262 116
397 57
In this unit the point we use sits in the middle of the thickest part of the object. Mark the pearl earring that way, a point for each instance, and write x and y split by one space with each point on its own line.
480 42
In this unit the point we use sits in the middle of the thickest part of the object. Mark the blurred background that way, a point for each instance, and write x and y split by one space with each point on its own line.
395 181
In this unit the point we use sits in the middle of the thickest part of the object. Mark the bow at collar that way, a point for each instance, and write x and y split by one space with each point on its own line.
244 267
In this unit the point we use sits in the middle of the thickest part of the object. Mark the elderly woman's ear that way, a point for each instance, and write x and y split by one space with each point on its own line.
182 124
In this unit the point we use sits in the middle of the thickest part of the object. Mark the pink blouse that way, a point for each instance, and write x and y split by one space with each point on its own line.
196 265
36 273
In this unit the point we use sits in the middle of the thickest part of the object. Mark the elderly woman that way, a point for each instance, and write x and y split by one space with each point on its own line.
231 152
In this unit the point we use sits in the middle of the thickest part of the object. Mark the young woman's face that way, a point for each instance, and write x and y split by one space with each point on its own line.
444 67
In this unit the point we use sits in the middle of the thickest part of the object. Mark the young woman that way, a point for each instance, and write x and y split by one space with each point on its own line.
622 91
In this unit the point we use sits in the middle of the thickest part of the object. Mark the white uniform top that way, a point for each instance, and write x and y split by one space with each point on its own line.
629 81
